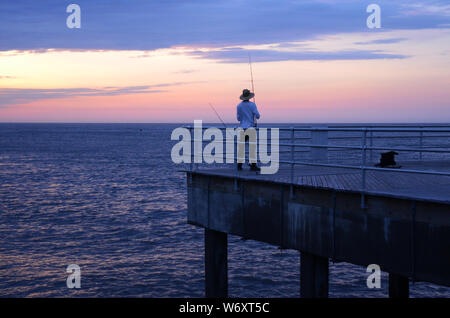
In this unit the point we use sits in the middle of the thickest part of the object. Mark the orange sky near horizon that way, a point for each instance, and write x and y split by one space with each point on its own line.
414 89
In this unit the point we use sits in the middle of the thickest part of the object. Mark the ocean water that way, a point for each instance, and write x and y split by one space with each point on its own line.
108 198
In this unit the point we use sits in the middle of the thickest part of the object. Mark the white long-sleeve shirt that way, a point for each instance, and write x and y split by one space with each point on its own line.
246 111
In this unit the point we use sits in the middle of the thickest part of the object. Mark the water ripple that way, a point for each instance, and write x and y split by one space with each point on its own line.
107 197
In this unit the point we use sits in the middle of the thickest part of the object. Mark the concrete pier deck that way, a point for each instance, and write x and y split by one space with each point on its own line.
404 226
391 184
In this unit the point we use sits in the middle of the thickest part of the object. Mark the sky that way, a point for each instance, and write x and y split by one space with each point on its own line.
165 61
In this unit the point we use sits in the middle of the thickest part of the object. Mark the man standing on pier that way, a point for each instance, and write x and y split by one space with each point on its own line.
246 114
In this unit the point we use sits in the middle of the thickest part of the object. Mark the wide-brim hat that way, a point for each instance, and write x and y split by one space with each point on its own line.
246 95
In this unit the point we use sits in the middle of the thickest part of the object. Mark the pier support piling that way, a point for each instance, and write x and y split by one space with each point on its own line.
398 286
313 276
216 264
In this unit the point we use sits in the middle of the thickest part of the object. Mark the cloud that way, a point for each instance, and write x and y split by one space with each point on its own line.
383 41
13 96
149 25
240 55
428 8
185 71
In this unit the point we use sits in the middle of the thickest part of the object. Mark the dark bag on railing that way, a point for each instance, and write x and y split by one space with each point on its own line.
387 159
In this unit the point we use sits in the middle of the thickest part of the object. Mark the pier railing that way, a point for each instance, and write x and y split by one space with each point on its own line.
361 142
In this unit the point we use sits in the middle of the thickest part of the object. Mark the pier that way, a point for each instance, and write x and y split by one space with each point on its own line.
398 219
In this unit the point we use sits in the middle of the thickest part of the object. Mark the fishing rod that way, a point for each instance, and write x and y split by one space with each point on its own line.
253 90
223 123
251 76
218 115
253 86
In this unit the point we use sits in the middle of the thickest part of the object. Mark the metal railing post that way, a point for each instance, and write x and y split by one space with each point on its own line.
420 143
235 161
198 152
191 166
292 162
371 145
319 136
363 168
292 153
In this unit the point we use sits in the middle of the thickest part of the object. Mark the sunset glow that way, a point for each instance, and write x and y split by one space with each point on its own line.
320 82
